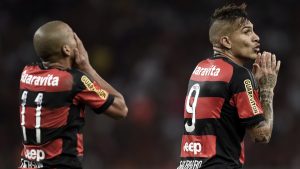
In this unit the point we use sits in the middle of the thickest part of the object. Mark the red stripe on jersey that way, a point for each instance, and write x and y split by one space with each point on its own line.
212 70
50 118
242 156
90 98
198 146
247 105
45 151
79 147
51 80
206 107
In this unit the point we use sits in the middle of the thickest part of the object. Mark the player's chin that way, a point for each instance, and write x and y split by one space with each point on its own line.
253 55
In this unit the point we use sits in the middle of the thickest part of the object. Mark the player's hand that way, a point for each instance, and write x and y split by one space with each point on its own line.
256 68
265 70
81 56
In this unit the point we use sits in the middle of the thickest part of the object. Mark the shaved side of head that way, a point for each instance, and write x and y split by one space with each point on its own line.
226 20
220 28
50 38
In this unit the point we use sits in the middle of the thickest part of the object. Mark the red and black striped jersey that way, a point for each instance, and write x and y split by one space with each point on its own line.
222 100
52 103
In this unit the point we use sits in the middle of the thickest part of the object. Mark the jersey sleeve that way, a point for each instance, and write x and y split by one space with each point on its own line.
246 97
90 93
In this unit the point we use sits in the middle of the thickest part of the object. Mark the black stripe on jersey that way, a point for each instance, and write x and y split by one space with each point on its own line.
75 124
211 89
240 74
202 126
46 135
252 120
108 102
78 86
51 99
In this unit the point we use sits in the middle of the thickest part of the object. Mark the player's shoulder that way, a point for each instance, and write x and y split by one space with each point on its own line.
238 71
80 78
76 72
241 77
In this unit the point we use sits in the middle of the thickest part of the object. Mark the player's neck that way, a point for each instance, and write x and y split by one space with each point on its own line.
62 64
229 55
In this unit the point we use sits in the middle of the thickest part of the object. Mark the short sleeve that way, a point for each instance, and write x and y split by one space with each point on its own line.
246 97
90 93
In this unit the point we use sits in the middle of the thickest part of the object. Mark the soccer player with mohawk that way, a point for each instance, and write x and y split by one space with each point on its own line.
225 100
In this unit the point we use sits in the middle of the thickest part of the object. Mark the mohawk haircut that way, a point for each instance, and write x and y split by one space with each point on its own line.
223 21
230 12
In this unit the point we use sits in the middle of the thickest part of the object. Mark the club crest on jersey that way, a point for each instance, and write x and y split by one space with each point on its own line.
91 87
207 71
249 91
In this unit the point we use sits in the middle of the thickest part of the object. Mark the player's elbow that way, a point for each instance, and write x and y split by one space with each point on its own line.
123 111
265 139
261 133
118 110
122 108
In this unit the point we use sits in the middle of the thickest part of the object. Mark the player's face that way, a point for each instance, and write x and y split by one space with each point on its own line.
245 42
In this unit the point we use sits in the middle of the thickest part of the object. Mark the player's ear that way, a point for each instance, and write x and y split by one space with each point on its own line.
225 42
66 50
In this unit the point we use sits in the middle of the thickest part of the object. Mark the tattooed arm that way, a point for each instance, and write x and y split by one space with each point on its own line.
266 71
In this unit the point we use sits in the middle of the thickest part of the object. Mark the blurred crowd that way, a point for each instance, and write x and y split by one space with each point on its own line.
147 50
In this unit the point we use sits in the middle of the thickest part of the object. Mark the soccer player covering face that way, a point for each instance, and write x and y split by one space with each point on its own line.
53 96
224 99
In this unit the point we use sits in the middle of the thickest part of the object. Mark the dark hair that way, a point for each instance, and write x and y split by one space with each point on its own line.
230 13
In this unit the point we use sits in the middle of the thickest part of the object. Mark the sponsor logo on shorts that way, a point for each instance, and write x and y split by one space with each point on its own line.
91 87
30 164
190 164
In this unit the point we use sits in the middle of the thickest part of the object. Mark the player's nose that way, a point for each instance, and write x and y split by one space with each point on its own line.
256 37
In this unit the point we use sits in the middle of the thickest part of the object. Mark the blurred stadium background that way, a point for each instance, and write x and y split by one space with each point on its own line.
147 50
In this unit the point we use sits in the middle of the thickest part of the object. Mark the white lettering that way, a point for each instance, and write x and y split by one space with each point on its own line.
204 71
35 154
192 147
30 164
49 80
190 164
28 79
55 81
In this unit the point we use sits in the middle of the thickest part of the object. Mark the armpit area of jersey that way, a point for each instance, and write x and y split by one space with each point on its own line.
105 106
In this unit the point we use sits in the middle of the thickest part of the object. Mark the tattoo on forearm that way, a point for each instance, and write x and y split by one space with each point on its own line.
266 98
268 82
263 130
